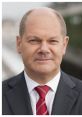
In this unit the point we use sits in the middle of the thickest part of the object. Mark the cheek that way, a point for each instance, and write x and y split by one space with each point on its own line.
58 50
28 53
58 54
62 49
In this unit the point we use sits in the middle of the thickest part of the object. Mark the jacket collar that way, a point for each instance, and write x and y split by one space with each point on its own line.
66 96
18 96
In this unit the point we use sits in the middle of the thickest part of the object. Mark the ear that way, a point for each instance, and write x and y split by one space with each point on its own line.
66 40
18 44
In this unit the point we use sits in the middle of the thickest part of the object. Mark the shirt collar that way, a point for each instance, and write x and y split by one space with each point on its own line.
53 84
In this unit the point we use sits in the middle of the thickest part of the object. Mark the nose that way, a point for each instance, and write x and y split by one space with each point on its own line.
44 48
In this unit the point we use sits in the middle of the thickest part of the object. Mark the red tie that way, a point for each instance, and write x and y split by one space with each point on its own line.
41 108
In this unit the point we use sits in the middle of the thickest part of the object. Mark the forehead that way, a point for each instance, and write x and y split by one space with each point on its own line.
42 19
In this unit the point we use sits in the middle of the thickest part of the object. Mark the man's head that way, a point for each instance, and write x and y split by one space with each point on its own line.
42 41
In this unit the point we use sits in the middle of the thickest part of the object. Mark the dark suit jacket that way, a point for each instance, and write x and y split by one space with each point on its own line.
68 99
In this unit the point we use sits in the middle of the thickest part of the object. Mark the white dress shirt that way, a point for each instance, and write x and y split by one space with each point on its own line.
34 97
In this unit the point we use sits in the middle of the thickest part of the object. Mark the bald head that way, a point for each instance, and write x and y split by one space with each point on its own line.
42 14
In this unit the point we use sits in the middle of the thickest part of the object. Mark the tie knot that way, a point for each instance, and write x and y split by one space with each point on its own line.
42 90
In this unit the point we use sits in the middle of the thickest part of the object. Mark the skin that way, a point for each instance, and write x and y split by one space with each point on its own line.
42 45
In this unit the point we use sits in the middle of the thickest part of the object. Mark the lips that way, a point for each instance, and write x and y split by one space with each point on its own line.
43 59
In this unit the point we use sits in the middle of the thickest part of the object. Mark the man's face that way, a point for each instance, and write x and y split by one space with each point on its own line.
42 45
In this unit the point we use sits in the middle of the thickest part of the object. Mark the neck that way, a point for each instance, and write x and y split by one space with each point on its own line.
41 78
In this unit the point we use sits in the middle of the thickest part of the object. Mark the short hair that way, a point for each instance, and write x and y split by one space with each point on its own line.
58 15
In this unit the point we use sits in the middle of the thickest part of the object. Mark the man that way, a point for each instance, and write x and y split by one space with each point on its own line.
42 89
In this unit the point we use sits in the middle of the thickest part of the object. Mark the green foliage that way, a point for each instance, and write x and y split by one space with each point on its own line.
74 29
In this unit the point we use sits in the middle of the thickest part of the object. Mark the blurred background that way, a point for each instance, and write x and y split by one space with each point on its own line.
12 13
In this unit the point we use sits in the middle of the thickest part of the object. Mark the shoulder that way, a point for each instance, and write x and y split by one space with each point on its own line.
10 82
73 80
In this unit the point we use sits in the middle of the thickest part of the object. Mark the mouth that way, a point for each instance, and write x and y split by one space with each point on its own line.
43 60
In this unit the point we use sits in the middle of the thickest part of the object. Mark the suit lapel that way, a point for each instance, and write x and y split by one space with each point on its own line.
18 97
65 97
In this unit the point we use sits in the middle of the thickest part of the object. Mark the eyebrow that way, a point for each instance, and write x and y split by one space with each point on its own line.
40 38
53 37
28 37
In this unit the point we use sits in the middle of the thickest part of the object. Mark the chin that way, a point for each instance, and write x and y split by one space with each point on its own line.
44 70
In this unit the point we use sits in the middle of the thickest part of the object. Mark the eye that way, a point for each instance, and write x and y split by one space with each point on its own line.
34 41
53 41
